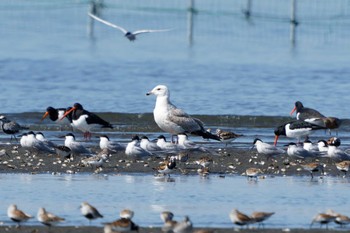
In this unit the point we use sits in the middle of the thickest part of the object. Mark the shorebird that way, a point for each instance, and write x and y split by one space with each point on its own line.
76 148
260 217
240 218
10 127
112 146
134 151
169 223
253 172
85 121
307 145
17 215
40 136
33 143
126 213
342 220
226 136
47 218
146 144
63 151
89 212
185 144
167 166
323 219
334 141
204 161
168 147
343 166
295 129
315 117
313 167
295 151
55 114
174 120
130 35
322 146
183 227
336 153
305 114
120 225
97 160
266 149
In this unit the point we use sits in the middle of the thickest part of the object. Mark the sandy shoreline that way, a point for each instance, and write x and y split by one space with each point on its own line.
225 161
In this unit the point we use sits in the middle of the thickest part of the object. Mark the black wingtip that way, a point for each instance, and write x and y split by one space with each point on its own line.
207 135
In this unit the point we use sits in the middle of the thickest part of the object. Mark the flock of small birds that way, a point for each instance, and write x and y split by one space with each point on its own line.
179 124
125 223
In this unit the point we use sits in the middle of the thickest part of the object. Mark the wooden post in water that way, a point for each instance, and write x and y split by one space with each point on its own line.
293 21
94 8
190 13
248 10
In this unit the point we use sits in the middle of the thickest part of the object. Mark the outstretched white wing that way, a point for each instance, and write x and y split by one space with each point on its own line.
107 23
148 31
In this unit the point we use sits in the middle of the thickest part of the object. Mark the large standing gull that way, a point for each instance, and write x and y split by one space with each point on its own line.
174 120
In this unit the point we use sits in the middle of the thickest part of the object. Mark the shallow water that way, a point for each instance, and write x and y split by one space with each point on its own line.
234 66
207 201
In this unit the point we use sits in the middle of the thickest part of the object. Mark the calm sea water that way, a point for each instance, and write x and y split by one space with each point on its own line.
296 200
233 66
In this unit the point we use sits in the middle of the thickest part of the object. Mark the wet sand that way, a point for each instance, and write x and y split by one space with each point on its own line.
226 161
72 229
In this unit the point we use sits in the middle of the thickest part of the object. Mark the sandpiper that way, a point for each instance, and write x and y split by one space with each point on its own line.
17 215
47 218
89 212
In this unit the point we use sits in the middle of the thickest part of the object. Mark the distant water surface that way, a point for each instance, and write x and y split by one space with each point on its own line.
233 66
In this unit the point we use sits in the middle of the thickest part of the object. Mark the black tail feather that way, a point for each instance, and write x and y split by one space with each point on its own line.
206 135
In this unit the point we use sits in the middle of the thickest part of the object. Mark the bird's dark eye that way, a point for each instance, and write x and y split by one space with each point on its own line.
158 89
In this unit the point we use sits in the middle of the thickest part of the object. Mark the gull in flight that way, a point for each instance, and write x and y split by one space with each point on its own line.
130 35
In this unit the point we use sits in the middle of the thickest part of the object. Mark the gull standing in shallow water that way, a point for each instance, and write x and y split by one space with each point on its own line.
174 120
130 35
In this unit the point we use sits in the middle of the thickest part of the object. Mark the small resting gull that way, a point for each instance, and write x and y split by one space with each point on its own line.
130 35
174 120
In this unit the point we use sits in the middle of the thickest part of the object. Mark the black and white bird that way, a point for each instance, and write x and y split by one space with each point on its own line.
315 117
89 211
55 114
130 35
10 127
296 129
227 136
174 120
298 152
85 121
305 114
